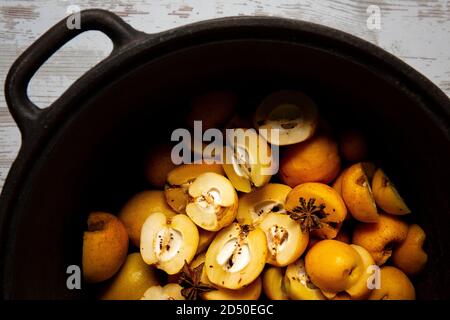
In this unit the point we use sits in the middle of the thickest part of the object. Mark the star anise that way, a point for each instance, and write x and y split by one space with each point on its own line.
190 281
308 214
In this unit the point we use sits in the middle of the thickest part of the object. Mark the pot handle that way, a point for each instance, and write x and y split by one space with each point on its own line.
25 112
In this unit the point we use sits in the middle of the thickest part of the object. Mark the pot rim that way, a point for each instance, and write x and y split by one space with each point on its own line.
146 47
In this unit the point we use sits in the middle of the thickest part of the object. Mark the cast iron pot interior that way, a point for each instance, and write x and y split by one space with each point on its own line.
91 158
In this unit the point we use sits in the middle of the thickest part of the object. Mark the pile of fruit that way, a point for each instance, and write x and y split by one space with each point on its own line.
327 226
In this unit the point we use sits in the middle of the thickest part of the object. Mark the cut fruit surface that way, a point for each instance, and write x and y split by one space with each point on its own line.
136 210
298 283
171 291
236 257
254 206
179 180
247 160
250 292
285 240
293 114
168 242
212 201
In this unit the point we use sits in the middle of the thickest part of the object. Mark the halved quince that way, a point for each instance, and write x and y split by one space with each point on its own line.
171 291
298 284
386 195
179 180
292 113
357 193
212 201
236 257
273 284
168 242
250 292
254 206
247 160
136 210
285 240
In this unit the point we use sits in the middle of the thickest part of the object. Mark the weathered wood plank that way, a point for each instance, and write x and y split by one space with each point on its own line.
417 31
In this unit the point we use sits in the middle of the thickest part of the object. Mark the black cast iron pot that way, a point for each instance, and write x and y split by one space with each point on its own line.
83 153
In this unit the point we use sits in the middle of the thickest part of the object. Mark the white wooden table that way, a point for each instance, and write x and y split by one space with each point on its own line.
417 31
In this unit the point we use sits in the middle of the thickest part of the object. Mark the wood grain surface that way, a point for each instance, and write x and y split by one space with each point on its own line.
417 31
